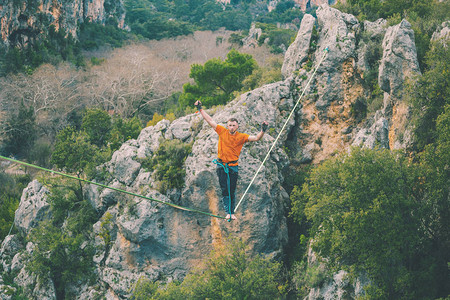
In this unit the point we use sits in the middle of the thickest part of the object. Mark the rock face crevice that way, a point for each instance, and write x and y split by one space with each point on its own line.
151 239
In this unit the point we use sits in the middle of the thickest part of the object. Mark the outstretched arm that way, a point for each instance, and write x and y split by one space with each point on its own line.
255 138
205 116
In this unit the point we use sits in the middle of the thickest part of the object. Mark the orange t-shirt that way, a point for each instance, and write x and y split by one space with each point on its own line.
230 146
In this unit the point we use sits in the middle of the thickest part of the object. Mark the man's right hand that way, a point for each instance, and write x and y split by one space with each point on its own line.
198 104
205 116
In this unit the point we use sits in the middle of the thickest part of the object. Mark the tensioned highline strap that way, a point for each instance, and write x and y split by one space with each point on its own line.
111 188
282 128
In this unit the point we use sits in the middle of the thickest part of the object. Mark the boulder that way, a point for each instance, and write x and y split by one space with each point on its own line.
123 165
33 207
10 246
148 140
373 31
399 60
376 135
102 198
299 49
152 239
442 34
337 34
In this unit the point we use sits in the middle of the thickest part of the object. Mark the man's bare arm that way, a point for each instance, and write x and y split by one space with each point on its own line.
255 138
205 116
259 136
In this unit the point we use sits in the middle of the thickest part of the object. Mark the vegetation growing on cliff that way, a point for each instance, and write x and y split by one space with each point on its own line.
168 164
425 16
230 272
60 251
370 212
10 193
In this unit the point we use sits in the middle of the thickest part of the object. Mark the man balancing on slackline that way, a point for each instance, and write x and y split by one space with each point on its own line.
229 148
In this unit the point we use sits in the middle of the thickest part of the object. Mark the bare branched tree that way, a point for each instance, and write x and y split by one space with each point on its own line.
51 91
132 78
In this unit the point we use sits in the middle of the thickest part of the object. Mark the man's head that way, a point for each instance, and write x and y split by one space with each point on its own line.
232 125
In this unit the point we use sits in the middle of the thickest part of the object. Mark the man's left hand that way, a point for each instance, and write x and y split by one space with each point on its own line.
264 126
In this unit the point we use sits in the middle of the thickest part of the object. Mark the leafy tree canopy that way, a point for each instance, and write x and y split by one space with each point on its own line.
229 273
123 130
430 94
168 164
367 215
80 151
216 80
73 152
97 125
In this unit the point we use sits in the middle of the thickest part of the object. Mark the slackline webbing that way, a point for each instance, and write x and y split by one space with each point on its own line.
282 128
111 188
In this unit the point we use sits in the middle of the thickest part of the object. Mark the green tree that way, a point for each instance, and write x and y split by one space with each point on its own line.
153 20
435 172
93 35
60 251
261 76
276 36
229 273
97 125
53 46
429 95
60 256
20 132
366 216
168 163
73 152
123 130
216 80
144 289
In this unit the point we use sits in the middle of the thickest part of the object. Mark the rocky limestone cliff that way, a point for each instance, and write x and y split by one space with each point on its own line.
22 22
152 240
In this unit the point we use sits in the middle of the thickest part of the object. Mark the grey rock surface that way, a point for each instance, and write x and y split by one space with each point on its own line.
33 207
337 34
376 135
442 34
399 60
251 40
297 52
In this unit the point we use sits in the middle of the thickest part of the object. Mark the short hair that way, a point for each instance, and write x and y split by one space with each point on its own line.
233 120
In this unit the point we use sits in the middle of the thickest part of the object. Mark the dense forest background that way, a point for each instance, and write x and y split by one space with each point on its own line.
78 98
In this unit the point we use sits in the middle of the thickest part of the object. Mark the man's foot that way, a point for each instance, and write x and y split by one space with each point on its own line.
228 217
233 217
